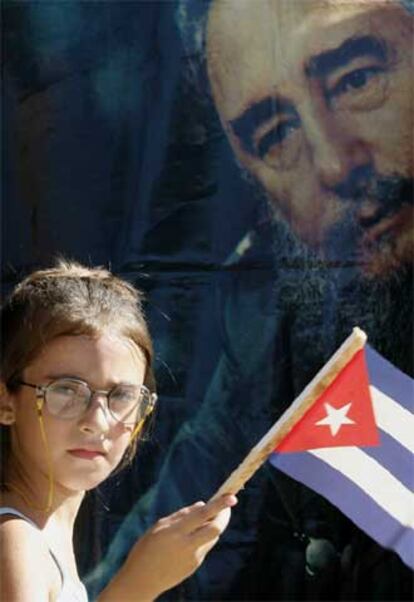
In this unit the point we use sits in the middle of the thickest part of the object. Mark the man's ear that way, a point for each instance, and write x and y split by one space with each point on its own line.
7 408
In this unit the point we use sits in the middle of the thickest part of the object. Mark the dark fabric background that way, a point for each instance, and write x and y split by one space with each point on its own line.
113 154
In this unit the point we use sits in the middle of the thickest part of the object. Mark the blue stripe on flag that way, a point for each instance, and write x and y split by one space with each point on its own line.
348 497
395 458
390 380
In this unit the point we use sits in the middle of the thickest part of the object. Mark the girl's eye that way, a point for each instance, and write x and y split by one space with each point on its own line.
64 390
124 395
67 389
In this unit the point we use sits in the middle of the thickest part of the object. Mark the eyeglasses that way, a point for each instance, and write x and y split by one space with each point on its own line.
69 398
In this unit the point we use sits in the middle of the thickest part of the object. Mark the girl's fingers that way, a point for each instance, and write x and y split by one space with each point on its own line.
210 532
205 513
179 515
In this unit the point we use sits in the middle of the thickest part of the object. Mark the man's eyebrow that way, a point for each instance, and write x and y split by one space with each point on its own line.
257 113
326 62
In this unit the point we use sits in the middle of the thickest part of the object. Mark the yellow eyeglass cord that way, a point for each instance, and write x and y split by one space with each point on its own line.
50 494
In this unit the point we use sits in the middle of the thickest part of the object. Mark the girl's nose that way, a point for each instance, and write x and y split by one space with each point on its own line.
97 418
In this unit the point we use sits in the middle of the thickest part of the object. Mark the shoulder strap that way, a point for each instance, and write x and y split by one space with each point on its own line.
8 510
68 592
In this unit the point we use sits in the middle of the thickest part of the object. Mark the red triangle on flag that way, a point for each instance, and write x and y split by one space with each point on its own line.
342 415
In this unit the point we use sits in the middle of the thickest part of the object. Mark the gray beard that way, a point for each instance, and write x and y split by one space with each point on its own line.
325 300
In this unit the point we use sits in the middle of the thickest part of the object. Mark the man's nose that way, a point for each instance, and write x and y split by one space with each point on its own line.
335 151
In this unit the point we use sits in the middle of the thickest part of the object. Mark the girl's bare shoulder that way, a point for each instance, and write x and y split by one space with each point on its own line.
28 571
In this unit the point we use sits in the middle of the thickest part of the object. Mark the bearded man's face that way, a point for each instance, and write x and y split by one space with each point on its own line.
317 101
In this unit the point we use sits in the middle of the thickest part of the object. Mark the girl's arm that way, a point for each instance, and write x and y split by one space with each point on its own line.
169 552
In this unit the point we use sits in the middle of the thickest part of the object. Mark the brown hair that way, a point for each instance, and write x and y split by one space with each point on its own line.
69 299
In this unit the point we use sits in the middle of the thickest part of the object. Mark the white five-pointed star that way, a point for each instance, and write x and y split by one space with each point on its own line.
335 418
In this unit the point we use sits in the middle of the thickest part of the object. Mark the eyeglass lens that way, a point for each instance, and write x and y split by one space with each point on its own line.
66 398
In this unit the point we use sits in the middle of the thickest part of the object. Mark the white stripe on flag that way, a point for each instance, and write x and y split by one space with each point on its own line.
392 418
377 482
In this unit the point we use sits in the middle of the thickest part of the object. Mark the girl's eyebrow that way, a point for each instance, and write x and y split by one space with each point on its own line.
71 376
58 375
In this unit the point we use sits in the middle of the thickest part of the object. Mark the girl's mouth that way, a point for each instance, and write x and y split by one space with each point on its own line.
86 454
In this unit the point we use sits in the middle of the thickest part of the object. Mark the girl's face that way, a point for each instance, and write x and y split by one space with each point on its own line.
83 450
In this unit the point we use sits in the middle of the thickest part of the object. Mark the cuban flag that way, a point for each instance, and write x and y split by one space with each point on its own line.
355 446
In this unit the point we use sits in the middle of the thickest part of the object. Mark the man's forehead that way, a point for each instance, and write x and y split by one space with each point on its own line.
254 44
286 9
245 15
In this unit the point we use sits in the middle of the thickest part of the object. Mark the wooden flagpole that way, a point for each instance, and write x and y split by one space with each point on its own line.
260 452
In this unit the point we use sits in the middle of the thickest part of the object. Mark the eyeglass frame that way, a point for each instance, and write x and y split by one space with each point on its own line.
41 391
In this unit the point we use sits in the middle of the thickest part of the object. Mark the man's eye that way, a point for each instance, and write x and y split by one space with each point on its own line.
360 89
276 136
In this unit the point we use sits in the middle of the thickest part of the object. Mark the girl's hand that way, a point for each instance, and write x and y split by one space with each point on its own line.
172 550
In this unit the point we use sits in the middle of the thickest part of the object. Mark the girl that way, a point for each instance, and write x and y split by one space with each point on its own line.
76 389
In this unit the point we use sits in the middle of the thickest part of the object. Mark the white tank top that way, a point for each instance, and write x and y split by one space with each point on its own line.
71 591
